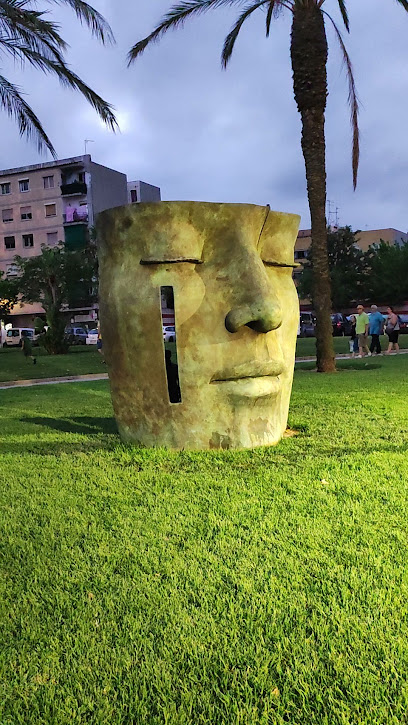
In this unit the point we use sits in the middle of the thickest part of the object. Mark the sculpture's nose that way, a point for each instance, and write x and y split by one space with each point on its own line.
262 315
256 304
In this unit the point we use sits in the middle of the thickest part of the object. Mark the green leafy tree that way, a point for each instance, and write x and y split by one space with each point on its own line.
55 278
29 37
8 295
309 50
386 278
347 266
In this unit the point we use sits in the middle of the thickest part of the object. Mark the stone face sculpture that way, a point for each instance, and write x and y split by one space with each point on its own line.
236 317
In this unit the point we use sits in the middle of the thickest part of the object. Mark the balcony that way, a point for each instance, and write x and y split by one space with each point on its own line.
75 188
75 216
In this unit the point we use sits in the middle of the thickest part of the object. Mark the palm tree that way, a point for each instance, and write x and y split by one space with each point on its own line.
28 37
308 47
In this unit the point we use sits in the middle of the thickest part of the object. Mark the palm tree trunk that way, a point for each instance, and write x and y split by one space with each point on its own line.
309 60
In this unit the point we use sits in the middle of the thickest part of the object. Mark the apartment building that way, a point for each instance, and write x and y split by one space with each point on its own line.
140 191
51 202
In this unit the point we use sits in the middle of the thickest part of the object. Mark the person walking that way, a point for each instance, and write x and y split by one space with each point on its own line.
376 327
362 324
353 336
27 347
392 330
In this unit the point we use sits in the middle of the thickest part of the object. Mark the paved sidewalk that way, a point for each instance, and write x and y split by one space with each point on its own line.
52 381
347 356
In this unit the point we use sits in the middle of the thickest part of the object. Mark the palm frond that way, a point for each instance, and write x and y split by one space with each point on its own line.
16 107
69 79
269 15
99 27
344 14
29 37
176 16
233 35
404 4
29 25
353 103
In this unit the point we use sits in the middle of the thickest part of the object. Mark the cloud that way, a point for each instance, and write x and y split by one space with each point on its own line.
201 133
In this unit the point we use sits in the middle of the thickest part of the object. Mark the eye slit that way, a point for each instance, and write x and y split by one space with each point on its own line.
174 260
273 263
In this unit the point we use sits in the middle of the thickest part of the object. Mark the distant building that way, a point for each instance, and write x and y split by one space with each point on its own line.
364 240
57 201
139 191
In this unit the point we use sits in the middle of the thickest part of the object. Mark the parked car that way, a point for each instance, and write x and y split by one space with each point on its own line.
76 335
15 334
341 325
307 324
403 323
169 333
92 337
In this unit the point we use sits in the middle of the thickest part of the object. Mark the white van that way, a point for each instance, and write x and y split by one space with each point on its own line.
14 336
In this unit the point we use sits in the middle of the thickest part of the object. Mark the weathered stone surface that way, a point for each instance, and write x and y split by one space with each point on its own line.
236 313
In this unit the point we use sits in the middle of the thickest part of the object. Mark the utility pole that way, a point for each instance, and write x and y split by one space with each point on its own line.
87 141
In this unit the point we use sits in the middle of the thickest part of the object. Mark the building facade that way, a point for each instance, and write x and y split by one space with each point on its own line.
57 201
140 191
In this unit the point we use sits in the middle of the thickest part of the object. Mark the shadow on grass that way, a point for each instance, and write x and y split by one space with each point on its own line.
98 444
81 424
98 434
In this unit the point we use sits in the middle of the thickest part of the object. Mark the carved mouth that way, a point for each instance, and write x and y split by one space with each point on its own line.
252 369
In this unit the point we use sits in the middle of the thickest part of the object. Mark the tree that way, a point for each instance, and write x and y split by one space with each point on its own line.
8 295
386 280
308 48
347 265
28 37
55 278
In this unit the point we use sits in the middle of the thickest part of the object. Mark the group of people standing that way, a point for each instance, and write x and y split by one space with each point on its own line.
363 326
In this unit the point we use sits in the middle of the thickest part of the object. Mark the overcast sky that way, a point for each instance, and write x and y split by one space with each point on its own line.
205 134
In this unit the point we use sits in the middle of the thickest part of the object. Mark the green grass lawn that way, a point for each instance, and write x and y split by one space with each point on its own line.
85 360
145 587
79 361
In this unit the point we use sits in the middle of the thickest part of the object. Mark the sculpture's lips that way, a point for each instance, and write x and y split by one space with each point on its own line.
252 369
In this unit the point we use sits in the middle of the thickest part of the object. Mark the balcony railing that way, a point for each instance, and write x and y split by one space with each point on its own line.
75 216
76 187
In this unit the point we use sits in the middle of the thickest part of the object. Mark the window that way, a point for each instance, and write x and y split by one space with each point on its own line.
52 238
25 212
50 210
81 177
7 215
12 270
48 182
5 188
9 242
24 185
28 240
301 254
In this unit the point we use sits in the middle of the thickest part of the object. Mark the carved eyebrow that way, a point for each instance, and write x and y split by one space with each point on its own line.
272 263
174 260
